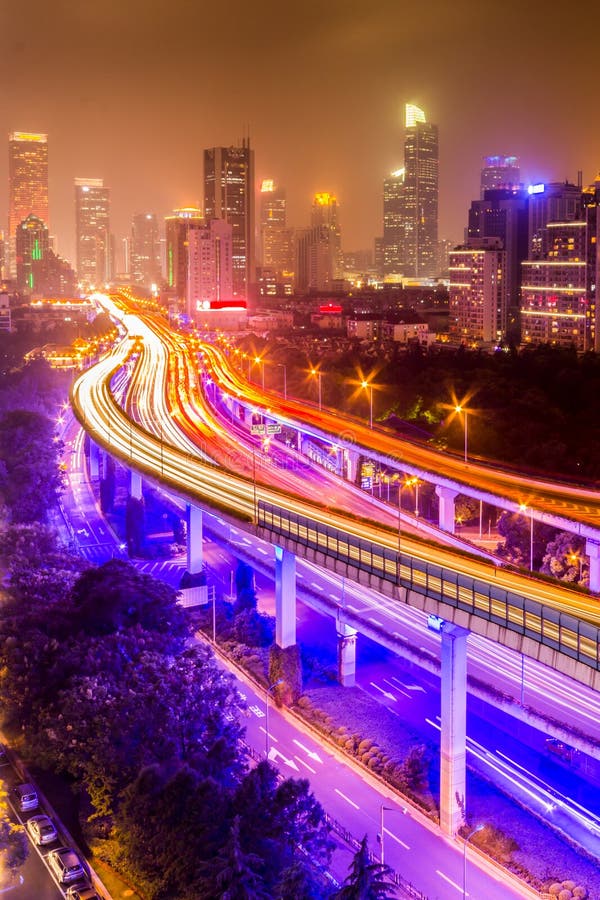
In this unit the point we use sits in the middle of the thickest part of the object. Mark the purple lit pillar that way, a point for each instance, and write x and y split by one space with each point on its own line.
454 728
446 513
285 598
592 551
195 550
346 654
135 484
94 461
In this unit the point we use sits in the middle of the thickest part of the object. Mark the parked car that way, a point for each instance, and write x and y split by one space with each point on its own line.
79 892
66 865
41 829
25 797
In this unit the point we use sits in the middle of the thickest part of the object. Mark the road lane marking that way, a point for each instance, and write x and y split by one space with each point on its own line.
347 799
397 839
396 688
383 691
375 621
304 763
318 587
449 880
272 739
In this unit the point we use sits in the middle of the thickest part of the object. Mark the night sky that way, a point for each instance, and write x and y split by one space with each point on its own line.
134 90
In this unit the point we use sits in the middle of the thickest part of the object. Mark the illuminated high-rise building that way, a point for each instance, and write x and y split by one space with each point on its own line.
477 293
276 238
92 216
314 259
393 225
325 215
420 208
27 184
176 238
32 245
210 267
499 172
229 195
144 266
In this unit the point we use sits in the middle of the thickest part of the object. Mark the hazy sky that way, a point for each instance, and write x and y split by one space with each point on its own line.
134 90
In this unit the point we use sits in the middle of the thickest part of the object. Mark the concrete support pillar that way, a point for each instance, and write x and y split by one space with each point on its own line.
454 725
446 515
299 441
592 551
346 654
94 461
135 484
352 457
339 462
195 550
285 598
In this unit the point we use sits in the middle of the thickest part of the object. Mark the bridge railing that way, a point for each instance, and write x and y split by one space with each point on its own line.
565 633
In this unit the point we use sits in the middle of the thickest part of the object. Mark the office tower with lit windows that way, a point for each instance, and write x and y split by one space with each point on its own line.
144 266
276 237
210 276
420 207
314 270
229 195
176 253
393 225
92 233
27 184
499 172
477 293
32 245
325 216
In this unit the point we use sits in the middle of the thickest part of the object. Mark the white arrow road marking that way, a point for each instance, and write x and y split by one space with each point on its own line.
311 753
274 753
258 712
409 687
381 691
304 763
400 691
347 799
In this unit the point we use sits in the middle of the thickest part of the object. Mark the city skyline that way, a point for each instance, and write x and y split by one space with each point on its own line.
321 94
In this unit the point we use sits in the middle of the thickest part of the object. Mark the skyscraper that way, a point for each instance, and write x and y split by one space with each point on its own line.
325 215
393 225
32 245
145 268
176 237
27 183
421 164
92 205
210 267
276 238
499 172
229 195
477 292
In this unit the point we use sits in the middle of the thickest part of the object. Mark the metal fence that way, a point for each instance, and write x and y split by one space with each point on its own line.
565 633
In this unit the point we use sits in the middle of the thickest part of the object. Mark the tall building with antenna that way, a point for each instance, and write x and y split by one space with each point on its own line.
229 195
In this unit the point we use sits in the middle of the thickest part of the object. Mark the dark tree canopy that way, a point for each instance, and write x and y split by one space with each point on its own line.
29 478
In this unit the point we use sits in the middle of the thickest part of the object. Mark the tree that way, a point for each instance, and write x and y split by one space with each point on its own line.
366 880
236 873
115 596
244 588
565 558
134 526
30 476
516 530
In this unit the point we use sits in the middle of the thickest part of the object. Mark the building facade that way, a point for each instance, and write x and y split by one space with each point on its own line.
314 259
421 175
92 231
27 184
144 266
477 293
210 277
325 215
393 226
500 173
229 195
176 253
276 238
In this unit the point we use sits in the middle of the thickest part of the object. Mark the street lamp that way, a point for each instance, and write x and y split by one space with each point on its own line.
366 386
461 409
467 839
576 559
318 373
284 367
267 692
260 363
523 509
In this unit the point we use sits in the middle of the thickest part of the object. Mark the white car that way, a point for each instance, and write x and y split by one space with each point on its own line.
66 865
41 830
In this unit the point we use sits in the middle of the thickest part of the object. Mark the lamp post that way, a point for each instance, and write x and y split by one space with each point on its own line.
284 367
461 409
383 809
260 363
267 692
366 386
467 839
574 559
318 373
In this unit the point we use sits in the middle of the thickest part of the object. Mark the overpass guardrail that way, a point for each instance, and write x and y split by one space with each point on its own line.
553 628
